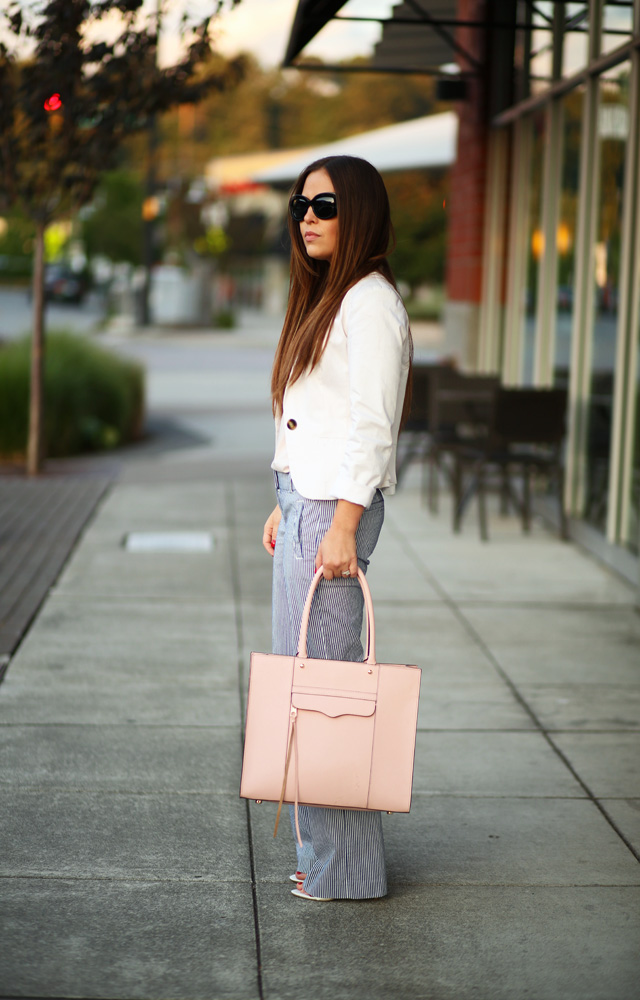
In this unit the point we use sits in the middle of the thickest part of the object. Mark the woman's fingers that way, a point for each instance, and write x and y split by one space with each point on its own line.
337 558
322 560
327 572
267 539
270 531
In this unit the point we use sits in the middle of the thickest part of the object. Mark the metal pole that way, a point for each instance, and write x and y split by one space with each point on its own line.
149 222
149 216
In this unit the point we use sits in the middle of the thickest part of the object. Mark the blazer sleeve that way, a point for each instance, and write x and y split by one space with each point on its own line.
376 327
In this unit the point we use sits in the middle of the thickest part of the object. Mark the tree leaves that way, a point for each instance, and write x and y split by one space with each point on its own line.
51 158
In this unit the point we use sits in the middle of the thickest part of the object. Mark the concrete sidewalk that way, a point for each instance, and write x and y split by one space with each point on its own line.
130 867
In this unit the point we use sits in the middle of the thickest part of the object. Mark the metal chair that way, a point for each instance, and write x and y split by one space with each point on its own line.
421 434
526 432
461 414
414 438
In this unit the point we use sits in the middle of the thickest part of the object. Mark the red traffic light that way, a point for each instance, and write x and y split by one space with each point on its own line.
53 103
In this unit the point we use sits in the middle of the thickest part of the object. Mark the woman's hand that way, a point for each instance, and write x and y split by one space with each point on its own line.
337 550
271 530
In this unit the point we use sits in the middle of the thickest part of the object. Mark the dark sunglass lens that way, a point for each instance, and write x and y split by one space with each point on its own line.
324 206
298 206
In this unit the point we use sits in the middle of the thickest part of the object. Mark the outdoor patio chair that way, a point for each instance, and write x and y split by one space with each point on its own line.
461 409
526 433
413 443
416 438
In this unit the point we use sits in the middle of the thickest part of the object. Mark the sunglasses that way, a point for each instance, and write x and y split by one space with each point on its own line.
324 206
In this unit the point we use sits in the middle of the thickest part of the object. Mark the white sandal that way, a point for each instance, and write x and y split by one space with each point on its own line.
298 877
305 895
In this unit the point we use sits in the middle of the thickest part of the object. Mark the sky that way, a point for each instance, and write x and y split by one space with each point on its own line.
263 27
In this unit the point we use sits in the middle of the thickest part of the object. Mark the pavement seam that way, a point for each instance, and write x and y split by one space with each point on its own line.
618 731
164 793
545 605
168 792
477 638
97 598
94 877
187 727
188 879
230 519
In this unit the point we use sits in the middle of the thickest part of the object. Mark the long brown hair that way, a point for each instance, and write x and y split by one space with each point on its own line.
316 287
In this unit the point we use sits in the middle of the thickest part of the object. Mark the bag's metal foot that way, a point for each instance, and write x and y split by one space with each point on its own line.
258 802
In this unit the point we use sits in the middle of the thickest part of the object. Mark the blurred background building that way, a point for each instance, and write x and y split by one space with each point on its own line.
543 221
508 134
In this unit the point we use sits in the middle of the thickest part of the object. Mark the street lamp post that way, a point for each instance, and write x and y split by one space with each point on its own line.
150 204
150 210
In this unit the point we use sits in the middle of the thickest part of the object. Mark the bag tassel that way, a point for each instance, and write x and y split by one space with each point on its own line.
293 745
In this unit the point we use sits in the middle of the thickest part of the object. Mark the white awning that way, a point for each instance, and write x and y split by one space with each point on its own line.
421 142
229 174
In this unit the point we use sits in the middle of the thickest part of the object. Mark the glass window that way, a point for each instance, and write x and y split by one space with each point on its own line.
575 48
613 127
541 56
617 24
535 245
566 234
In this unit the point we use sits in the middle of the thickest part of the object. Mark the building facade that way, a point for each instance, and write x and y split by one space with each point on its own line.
554 260
543 268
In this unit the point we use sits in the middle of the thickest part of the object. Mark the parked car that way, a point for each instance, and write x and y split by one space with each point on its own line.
62 284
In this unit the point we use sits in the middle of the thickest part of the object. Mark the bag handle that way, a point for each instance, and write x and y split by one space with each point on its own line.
370 655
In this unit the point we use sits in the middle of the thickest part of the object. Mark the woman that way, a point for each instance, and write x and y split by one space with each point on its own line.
339 394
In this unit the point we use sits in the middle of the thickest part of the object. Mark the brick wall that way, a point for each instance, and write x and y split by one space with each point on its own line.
468 175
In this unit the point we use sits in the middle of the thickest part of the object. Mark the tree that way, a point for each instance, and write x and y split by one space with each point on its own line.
16 244
418 209
113 224
279 109
274 108
67 106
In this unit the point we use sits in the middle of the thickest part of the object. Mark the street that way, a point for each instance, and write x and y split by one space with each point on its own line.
16 313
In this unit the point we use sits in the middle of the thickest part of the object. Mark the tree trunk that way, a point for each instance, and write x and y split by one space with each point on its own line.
149 224
35 450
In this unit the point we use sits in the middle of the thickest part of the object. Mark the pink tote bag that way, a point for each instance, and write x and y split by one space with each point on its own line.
331 732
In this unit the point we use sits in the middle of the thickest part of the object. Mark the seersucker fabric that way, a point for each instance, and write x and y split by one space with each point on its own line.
343 849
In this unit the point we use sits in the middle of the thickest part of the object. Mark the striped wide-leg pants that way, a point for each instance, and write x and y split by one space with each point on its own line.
343 849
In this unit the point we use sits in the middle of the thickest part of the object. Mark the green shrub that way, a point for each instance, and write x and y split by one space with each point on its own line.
424 311
93 399
224 319
428 305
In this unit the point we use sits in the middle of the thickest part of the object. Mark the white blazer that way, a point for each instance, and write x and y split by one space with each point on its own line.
339 430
